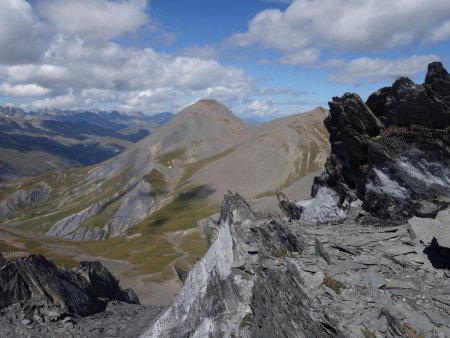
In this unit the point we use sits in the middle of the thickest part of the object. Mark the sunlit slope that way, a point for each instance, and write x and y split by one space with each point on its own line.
145 204
270 157
105 200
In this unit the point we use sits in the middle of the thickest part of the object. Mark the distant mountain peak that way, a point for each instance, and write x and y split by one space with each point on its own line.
211 108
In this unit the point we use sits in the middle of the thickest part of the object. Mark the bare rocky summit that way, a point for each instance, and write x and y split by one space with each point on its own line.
397 168
38 299
367 256
268 277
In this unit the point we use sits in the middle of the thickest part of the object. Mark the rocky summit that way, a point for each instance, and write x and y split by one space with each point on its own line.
37 299
391 153
366 256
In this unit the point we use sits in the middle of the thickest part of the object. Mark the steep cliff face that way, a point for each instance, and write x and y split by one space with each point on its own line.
392 153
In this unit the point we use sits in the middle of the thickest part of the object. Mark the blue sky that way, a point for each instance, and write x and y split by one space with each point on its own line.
263 59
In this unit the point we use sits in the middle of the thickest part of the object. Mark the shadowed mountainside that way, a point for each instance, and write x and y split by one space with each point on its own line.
35 142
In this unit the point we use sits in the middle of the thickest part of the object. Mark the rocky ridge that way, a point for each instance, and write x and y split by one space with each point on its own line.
38 299
268 277
82 291
367 256
391 153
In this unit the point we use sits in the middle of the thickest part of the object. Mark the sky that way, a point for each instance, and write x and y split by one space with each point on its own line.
262 58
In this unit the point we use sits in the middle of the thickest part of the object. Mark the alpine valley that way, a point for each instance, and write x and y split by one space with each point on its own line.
142 212
321 224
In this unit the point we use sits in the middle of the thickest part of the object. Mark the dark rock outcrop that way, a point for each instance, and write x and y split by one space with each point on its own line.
289 208
272 278
104 284
242 288
392 153
3 261
407 103
34 280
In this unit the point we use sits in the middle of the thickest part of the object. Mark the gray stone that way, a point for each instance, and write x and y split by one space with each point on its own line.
396 284
426 229
320 251
81 291
436 318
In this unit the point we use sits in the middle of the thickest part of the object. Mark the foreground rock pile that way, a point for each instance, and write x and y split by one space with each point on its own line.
274 278
37 299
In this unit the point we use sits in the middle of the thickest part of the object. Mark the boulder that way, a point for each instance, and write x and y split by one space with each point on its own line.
81 291
392 153
407 103
425 229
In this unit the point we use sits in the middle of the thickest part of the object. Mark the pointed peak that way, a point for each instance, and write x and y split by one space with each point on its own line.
212 108
209 103
436 70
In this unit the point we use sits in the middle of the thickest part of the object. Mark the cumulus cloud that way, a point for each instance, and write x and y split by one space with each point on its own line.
301 57
62 101
23 90
263 108
136 79
95 19
373 70
22 37
307 26
440 33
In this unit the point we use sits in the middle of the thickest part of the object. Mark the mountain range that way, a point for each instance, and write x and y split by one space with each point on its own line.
142 206
35 142
367 255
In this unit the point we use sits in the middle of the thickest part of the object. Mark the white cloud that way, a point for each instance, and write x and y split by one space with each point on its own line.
22 37
440 33
373 70
302 57
68 100
132 78
263 108
357 25
95 19
23 90
281 91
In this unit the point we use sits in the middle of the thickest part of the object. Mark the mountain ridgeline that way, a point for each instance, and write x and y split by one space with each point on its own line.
55 139
205 150
366 256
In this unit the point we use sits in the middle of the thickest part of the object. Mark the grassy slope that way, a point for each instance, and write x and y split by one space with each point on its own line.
145 246
41 216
